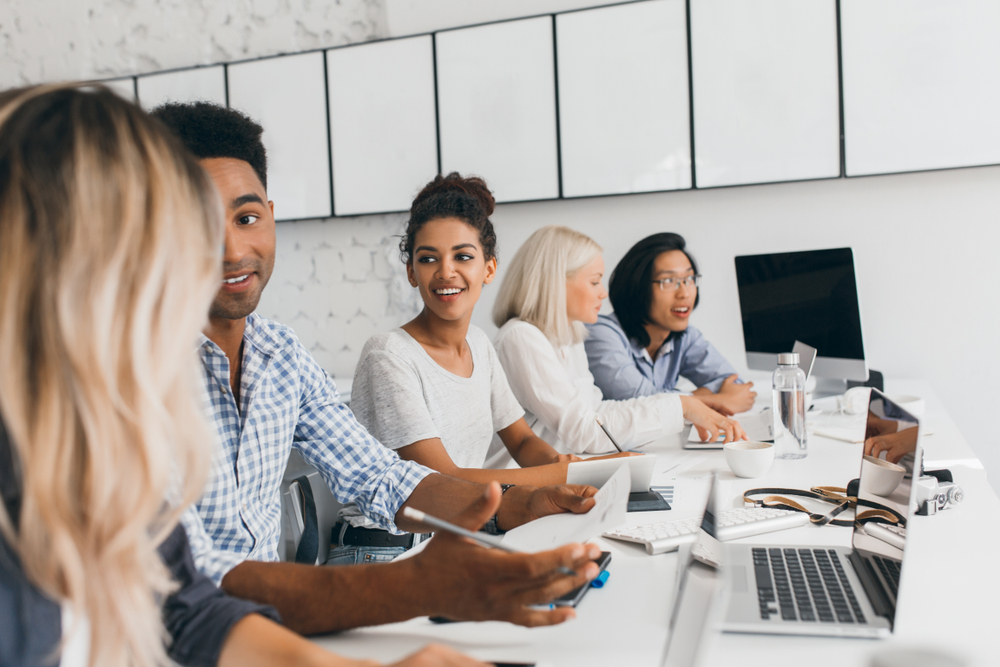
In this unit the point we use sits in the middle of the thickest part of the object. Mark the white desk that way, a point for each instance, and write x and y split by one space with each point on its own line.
950 577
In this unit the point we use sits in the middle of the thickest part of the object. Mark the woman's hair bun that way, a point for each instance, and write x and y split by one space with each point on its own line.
455 182
453 196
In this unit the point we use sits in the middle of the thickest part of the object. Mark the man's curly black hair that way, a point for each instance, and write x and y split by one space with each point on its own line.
209 130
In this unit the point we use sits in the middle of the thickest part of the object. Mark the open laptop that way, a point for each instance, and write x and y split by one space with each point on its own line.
832 591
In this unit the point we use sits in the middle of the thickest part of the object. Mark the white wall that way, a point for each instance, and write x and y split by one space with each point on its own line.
410 17
925 243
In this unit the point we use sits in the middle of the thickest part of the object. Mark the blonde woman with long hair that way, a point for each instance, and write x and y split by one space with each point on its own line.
110 248
553 287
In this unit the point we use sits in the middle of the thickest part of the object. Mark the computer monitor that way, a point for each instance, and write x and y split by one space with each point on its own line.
808 296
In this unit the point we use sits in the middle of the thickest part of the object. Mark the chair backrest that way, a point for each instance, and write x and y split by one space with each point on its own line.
311 510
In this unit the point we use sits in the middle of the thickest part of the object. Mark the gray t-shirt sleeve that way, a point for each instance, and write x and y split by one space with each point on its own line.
506 409
391 401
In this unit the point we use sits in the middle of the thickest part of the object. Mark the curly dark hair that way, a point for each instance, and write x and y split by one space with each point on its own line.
452 196
631 286
209 130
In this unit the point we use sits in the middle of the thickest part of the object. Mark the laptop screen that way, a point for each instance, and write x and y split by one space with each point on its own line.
892 438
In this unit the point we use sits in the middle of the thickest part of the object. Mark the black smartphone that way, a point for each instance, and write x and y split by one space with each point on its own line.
573 598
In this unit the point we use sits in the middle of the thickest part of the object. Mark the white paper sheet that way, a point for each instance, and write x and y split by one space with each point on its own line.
596 473
556 530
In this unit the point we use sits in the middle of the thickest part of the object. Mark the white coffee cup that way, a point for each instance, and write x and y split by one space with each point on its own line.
749 459
880 477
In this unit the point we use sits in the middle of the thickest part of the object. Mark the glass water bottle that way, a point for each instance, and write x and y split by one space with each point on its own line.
789 408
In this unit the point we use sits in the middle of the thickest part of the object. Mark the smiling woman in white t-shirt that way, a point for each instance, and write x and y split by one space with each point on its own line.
552 288
434 390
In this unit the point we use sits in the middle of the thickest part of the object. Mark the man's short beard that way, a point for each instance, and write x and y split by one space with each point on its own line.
233 309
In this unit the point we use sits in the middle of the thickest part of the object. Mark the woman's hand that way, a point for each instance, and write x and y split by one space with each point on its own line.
731 397
895 445
877 426
709 422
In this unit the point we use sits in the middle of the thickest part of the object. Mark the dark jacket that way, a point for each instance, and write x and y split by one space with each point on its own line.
198 616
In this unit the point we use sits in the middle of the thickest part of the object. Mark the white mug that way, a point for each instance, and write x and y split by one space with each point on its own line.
747 458
879 476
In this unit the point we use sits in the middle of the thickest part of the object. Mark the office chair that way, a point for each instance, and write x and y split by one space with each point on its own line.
311 510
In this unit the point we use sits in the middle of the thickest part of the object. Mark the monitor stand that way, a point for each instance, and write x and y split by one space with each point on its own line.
826 387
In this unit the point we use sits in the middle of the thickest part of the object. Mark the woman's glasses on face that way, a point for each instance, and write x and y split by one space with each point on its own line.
674 282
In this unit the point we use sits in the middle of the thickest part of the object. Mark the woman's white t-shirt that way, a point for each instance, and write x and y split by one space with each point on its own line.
76 651
401 395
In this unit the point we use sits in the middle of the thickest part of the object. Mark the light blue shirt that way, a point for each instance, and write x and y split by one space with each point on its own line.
622 368
286 400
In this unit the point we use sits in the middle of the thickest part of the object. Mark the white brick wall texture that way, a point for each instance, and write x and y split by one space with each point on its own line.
337 281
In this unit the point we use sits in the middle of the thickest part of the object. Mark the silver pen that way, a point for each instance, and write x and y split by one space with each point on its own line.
486 540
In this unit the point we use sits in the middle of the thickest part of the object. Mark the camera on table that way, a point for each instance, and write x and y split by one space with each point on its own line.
934 494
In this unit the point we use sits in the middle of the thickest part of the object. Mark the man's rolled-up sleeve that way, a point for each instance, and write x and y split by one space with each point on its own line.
356 466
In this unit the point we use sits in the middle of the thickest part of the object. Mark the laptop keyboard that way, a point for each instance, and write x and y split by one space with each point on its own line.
890 571
804 585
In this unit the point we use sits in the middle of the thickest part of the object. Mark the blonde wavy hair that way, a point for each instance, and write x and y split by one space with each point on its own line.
110 243
534 286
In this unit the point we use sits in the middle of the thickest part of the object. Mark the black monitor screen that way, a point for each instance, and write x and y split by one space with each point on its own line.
809 296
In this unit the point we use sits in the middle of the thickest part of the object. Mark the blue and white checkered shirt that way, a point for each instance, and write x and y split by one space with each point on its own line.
286 400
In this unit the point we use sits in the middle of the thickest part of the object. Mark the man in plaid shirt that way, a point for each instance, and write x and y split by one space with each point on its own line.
269 395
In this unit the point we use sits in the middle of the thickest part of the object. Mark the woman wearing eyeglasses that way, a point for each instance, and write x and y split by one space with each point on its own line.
552 288
647 344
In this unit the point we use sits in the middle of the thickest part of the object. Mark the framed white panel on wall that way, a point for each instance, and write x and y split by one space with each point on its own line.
202 84
766 91
124 87
497 108
624 119
383 124
287 96
921 84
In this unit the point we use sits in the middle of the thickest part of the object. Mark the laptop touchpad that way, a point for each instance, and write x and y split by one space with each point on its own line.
738 579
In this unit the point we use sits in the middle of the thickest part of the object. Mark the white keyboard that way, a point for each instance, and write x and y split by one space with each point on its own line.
730 525
890 534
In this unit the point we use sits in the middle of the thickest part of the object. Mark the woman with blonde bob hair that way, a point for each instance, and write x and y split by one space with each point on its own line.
110 247
551 289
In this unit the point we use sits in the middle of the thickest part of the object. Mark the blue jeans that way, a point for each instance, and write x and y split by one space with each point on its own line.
352 555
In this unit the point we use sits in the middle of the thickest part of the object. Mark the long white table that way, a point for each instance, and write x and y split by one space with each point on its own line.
950 583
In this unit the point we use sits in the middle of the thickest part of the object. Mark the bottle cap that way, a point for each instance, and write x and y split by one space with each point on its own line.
788 359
